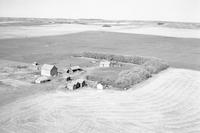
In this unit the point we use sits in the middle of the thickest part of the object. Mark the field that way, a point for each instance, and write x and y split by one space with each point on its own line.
167 102
179 52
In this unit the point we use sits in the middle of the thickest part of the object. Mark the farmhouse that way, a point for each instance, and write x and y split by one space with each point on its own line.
49 70
74 69
104 63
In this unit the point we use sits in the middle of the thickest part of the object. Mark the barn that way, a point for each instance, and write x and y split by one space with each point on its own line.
49 70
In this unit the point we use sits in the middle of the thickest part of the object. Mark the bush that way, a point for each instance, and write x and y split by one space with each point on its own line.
130 77
103 80
155 66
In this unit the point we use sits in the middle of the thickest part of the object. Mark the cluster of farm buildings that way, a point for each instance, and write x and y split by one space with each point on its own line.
48 71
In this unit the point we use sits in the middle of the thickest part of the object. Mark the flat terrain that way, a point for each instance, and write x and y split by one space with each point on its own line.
24 31
179 52
167 103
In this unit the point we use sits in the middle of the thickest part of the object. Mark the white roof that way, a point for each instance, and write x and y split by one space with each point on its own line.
47 66
105 61
75 67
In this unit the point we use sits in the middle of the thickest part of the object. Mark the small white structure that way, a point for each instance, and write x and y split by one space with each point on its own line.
104 63
49 70
42 79
99 86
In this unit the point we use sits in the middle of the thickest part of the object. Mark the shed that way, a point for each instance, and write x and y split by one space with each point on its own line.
49 70
104 63
75 84
82 82
100 86
74 69
42 79
68 78
71 85
35 64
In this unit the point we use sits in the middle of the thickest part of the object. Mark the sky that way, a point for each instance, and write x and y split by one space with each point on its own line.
165 10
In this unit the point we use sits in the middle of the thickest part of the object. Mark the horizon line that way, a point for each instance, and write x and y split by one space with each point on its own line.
143 20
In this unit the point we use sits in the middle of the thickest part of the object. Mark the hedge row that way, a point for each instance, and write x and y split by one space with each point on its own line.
144 68
151 64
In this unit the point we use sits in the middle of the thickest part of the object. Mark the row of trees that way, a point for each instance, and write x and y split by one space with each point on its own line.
144 68
151 64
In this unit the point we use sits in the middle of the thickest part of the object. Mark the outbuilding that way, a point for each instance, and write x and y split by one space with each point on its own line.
49 70
42 79
100 86
35 63
82 82
75 84
71 85
68 78
74 69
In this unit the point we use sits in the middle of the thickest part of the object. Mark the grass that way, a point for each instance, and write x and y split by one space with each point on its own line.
106 75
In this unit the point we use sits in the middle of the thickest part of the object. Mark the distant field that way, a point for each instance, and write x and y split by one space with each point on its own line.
179 52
